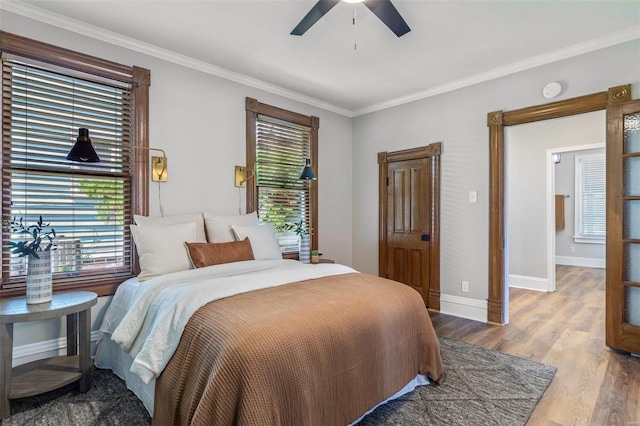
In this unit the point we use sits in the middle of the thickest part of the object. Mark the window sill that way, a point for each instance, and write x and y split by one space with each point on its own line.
102 287
587 240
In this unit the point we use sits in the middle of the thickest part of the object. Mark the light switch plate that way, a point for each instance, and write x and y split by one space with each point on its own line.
473 196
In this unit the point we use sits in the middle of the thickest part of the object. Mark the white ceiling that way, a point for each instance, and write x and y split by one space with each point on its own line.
451 44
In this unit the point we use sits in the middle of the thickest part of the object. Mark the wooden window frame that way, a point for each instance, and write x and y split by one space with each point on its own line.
253 108
139 80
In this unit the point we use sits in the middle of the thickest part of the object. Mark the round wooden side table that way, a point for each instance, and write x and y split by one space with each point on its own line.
47 374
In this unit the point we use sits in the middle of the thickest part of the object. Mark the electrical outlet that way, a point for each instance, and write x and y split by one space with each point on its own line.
572 249
465 286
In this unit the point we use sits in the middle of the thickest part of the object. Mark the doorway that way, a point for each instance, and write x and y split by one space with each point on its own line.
530 234
497 121
409 219
622 205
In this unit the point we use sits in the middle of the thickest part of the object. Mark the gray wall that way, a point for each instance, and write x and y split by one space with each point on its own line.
526 195
565 184
194 112
459 120
199 120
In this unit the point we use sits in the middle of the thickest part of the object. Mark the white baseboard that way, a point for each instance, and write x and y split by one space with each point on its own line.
528 283
586 262
464 307
24 354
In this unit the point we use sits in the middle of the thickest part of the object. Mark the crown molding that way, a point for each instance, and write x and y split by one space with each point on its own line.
536 61
79 27
101 34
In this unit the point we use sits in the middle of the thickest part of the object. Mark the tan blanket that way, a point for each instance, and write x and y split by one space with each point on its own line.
317 352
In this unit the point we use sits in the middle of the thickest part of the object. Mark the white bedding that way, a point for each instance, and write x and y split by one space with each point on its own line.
147 319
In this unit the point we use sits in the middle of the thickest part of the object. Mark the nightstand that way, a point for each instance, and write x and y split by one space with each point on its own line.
47 374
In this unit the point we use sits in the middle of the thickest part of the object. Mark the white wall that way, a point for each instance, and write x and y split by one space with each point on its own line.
526 195
459 120
199 120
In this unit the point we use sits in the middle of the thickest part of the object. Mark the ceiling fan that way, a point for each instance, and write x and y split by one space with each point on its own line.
383 9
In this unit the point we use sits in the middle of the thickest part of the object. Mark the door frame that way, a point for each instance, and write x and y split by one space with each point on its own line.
497 302
432 151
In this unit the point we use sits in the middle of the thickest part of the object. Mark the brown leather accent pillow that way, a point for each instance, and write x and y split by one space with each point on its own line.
207 254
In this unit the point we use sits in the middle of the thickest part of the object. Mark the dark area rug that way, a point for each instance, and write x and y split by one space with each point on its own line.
481 386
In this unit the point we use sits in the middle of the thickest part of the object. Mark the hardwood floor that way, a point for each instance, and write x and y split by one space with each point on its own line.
593 385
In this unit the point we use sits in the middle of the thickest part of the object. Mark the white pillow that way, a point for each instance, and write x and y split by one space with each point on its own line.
219 227
177 219
263 240
162 249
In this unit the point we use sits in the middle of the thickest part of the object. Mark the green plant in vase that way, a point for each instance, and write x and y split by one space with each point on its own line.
315 256
302 231
38 238
36 247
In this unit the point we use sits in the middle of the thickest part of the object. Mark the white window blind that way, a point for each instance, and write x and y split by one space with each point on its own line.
88 205
283 199
591 194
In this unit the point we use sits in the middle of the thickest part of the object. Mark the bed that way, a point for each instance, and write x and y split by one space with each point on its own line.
267 341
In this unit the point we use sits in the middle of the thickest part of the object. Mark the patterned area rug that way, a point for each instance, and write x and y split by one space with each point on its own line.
481 386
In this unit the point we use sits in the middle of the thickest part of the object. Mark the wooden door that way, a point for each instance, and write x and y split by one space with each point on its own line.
409 220
408 230
623 227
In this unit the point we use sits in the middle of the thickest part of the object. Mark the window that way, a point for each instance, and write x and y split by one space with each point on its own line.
48 93
278 142
590 217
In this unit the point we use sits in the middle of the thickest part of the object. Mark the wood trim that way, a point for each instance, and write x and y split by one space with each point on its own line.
618 334
614 277
433 152
434 252
313 185
141 170
281 114
579 105
253 108
568 107
496 121
382 214
251 189
140 80
48 53
141 76
102 287
495 301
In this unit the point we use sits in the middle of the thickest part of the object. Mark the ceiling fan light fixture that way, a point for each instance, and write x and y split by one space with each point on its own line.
383 9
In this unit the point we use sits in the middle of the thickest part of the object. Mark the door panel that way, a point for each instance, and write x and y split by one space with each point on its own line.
623 229
408 201
409 219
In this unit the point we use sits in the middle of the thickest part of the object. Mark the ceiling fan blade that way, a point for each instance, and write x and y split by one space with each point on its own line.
316 12
388 14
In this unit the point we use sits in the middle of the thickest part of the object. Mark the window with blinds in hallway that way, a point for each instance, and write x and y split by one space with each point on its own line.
591 194
88 204
278 143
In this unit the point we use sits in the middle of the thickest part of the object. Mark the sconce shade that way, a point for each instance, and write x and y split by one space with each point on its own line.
307 172
82 150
